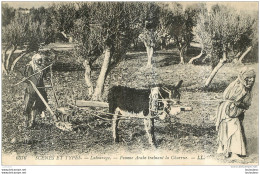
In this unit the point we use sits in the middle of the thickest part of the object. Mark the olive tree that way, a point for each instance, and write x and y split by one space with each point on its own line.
44 16
149 18
202 36
20 32
102 31
218 32
248 38
8 14
63 16
178 23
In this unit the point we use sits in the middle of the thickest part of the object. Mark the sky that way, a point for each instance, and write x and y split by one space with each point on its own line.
28 4
240 5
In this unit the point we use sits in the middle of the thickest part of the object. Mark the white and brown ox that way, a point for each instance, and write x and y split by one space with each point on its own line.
127 101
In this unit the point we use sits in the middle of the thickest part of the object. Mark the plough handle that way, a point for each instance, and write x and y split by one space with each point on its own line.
43 100
32 75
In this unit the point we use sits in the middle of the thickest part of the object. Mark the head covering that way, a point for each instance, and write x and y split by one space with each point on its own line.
36 57
236 92
246 72
36 67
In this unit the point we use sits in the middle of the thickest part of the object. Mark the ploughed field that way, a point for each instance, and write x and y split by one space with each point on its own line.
190 132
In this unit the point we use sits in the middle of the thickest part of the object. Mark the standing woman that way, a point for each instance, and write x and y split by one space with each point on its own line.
230 114
33 104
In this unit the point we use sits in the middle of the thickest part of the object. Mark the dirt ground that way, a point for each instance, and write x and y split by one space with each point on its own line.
190 132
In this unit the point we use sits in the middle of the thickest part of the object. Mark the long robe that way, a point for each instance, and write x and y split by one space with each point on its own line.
31 99
230 115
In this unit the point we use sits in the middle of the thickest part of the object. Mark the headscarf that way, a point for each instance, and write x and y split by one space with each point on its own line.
246 72
34 64
235 92
36 67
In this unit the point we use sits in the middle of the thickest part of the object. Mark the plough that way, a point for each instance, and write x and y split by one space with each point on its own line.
62 122
84 104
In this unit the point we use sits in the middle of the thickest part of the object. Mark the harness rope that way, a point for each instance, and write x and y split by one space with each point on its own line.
154 101
107 114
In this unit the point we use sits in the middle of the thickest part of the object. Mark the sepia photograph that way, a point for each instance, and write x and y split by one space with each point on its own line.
130 83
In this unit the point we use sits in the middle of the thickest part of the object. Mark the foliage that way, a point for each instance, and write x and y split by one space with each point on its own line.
102 28
63 16
8 14
223 29
15 32
20 32
173 18
149 18
43 16
248 31
25 29
201 34
178 23
101 25
150 13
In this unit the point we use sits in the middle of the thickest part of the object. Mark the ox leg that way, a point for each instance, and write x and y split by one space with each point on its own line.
149 128
115 127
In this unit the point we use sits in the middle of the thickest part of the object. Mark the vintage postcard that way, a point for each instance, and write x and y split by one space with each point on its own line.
130 83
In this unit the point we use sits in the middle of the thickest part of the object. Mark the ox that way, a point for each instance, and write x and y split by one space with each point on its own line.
129 101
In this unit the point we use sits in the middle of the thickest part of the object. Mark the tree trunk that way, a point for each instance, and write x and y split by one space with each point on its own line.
149 51
3 69
197 57
4 55
88 77
102 76
215 70
235 60
9 57
244 54
238 54
3 61
16 60
182 53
